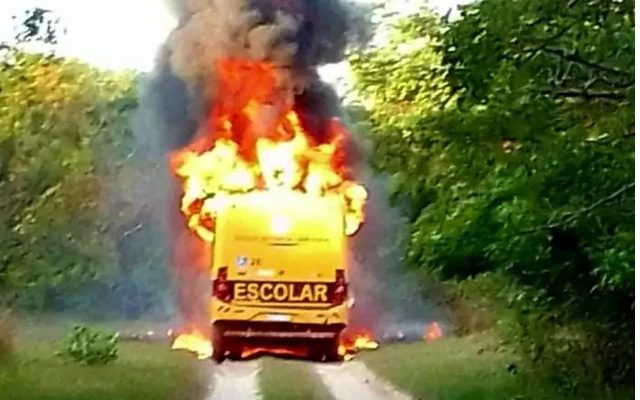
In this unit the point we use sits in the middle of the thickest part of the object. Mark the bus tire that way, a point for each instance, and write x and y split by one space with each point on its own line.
317 351
218 345
332 350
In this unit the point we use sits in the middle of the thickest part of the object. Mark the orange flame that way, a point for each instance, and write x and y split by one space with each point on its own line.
255 140
432 332
351 345
194 342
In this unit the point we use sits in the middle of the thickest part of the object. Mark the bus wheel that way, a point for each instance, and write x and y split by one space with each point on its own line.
217 343
234 348
316 351
332 349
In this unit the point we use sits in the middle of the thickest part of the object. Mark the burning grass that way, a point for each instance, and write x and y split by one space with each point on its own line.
196 342
352 344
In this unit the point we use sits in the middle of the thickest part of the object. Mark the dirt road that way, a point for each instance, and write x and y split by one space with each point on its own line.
352 380
235 381
345 381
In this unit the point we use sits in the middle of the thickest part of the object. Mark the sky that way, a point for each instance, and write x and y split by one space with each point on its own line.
113 34
119 34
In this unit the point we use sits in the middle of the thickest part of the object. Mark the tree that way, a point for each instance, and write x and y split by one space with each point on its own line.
77 227
513 156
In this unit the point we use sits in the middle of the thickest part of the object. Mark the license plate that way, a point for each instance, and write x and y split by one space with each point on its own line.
279 317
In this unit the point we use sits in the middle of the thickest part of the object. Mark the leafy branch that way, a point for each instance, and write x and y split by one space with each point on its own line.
586 93
575 57
568 217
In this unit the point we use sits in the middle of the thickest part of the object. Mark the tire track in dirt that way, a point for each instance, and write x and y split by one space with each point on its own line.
353 380
235 381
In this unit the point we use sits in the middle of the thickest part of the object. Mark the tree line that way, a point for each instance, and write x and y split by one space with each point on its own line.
508 135
76 225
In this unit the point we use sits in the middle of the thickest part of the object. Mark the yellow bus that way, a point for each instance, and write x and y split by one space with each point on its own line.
279 273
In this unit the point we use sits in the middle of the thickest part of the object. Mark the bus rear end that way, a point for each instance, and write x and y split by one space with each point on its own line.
279 273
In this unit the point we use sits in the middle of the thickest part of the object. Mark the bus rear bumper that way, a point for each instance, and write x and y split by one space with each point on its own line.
269 330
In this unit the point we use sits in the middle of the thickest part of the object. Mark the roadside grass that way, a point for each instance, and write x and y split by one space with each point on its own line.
143 370
54 327
290 380
473 367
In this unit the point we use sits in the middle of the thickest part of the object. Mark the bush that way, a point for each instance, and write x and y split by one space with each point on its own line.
476 304
91 348
575 357
510 164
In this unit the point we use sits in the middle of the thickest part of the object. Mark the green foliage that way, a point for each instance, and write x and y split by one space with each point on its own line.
91 348
76 216
47 173
514 156
39 25
34 372
7 333
51 234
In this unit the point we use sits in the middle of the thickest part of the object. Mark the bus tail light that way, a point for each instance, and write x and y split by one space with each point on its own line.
221 286
339 294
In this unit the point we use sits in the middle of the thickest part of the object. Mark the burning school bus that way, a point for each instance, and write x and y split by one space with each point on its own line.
279 272
272 197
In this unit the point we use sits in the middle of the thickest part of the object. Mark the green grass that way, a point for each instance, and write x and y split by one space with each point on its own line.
290 380
468 368
143 371
54 327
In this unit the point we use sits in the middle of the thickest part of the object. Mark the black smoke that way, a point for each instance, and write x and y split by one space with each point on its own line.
297 36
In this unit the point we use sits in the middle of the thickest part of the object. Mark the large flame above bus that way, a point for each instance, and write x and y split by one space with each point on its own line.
255 139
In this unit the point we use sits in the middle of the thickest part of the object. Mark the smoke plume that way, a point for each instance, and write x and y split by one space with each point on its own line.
294 36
